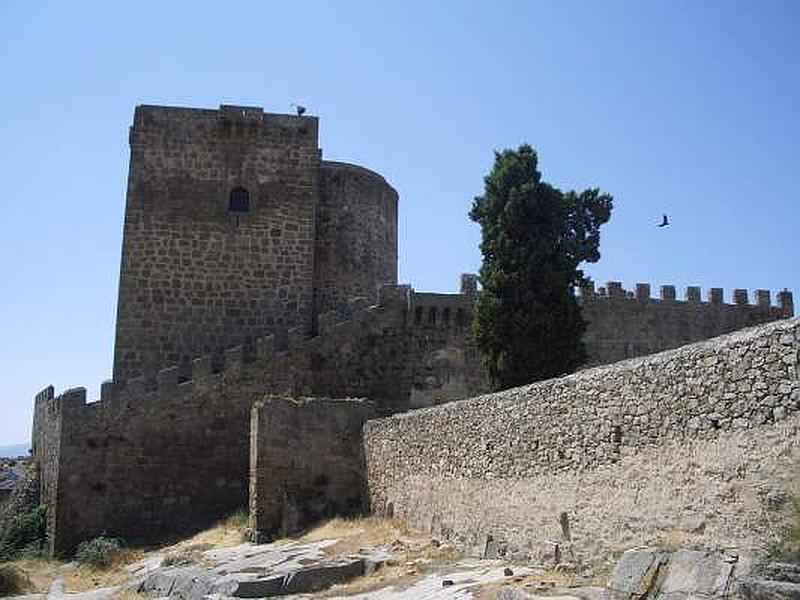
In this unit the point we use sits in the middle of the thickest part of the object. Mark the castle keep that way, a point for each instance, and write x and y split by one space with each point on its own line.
235 229
260 325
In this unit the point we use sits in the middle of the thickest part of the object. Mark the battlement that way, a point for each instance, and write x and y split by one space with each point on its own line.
251 268
626 323
441 310
148 116
171 434
613 290
346 167
438 310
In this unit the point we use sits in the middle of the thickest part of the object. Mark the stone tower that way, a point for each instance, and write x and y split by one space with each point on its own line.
235 228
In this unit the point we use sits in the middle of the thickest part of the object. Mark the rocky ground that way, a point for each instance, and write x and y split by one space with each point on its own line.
381 560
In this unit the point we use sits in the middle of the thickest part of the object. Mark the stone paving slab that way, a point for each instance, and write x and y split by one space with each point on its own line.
467 577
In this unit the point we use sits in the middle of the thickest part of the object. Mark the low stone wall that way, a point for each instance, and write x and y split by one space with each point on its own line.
306 462
690 440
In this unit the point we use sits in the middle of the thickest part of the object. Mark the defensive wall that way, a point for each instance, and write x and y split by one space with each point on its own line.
242 253
306 463
625 323
172 454
700 442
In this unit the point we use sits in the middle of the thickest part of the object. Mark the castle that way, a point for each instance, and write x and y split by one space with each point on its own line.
254 271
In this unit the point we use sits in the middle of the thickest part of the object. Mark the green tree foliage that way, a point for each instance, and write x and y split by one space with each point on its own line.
23 535
527 320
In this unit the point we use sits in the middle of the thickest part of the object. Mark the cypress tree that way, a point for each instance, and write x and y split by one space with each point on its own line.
527 320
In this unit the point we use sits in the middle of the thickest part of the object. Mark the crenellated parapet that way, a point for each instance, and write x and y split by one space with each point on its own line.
395 302
625 323
208 370
170 451
715 297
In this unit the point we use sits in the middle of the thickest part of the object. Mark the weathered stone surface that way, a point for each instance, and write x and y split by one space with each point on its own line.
259 571
623 325
199 275
182 583
680 575
219 306
779 571
306 463
693 572
636 571
23 497
143 461
632 452
754 588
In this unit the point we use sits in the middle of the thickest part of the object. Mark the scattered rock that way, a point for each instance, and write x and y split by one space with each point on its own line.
753 588
513 593
508 572
693 572
778 571
447 582
550 554
636 571
693 524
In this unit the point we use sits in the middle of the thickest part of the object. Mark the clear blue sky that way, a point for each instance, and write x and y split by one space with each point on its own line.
684 107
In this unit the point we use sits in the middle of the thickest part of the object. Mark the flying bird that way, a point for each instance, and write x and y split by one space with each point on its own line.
664 221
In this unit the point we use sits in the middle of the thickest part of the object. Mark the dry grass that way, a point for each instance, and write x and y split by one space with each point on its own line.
38 572
128 594
671 540
228 532
86 577
552 582
354 534
41 573
13 581
369 532
414 553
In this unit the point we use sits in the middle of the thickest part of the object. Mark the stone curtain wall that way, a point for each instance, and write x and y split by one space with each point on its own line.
356 242
306 463
447 361
623 324
495 472
155 458
46 446
196 277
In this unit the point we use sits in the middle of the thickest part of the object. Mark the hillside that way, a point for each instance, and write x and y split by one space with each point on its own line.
14 450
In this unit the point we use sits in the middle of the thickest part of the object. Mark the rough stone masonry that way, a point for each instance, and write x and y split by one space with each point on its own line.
700 442
251 266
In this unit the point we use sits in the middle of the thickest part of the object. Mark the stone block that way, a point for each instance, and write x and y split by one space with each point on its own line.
697 573
635 571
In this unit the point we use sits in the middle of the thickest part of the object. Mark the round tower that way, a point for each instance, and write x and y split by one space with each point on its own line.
356 241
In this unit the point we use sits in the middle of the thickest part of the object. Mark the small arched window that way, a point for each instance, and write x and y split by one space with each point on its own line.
239 200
